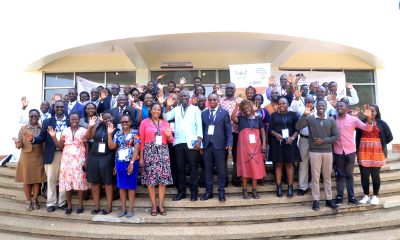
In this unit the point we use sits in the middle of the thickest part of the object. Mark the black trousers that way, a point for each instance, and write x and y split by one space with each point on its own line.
374 172
185 155
234 152
215 157
174 167
344 164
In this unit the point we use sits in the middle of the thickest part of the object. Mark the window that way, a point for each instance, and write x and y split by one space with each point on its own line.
123 78
62 82
57 83
363 81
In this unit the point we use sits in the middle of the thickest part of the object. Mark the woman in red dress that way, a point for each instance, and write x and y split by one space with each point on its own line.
250 161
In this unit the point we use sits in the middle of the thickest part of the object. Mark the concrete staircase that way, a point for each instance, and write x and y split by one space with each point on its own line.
267 217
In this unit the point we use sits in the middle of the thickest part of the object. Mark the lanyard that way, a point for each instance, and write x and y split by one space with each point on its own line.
183 112
73 133
157 126
284 120
102 135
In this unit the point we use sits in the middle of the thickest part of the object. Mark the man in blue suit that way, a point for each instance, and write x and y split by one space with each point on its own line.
217 137
123 108
52 156
73 105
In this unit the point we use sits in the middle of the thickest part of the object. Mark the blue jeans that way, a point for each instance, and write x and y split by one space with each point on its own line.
344 165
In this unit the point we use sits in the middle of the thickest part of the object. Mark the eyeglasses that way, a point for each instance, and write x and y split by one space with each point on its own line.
59 107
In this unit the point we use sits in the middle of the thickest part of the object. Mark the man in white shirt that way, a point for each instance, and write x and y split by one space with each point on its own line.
333 97
187 142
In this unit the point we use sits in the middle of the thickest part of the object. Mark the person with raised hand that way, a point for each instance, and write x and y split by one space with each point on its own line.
127 144
345 149
73 160
100 161
252 144
52 155
30 168
372 153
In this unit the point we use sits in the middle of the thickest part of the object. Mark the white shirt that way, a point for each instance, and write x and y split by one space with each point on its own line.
187 124
71 106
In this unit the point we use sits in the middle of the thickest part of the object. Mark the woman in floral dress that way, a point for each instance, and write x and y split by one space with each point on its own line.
73 161
155 135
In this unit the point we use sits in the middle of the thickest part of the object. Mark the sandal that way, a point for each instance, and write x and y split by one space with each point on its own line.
95 211
105 211
35 205
162 213
29 206
154 213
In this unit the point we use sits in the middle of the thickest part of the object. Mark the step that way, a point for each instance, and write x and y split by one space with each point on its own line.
387 188
269 186
227 216
377 233
295 228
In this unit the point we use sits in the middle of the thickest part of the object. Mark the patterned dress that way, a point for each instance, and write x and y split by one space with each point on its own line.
157 170
370 152
72 177
123 155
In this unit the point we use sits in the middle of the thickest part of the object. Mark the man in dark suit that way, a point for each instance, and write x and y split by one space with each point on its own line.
52 156
73 105
121 109
217 137
108 98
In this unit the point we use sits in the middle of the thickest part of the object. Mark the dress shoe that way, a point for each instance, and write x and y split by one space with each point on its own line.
221 197
331 204
80 210
206 196
315 205
353 201
226 184
179 196
339 201
51 209
63 207
290 191
279 190
301 192
193 198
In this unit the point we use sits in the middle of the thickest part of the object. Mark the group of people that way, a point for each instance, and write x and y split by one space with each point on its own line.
104 140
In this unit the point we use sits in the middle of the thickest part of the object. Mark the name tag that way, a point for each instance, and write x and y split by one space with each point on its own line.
122 154
58 135
102 148
252 138
211 130
285 133
158 140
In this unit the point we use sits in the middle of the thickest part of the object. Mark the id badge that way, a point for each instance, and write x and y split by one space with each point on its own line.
102 148
122 154
252 138
158 140
211 130
285 133
58 135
